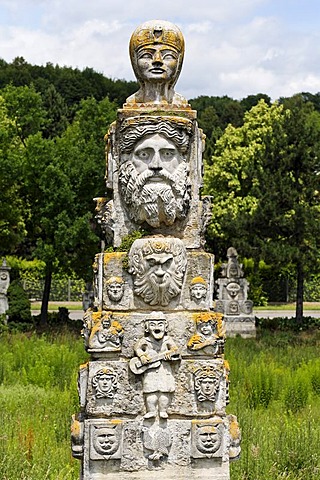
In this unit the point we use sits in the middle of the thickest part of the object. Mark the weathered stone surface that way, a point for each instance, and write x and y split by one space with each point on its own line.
153 395
155 172
182 448
113 268
182 326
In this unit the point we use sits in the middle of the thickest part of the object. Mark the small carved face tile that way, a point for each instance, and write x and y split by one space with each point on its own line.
208 386
198 291
233 289
105 383
233 308
105 440
115 291
208 439
206 328
157 63
247 306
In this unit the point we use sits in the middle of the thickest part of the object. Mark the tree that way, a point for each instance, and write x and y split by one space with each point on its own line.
264 180
13 210
62 175
57 176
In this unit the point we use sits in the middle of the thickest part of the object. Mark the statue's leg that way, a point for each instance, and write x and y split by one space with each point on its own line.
151 405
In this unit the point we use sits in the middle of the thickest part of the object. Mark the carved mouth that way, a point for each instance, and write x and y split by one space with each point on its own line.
155 178
157 70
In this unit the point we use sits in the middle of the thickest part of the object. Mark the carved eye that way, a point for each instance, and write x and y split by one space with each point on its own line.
146 55
169 56
143 154
168 262
167 154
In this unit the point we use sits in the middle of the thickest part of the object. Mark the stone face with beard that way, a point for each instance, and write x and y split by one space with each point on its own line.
158 266
154 182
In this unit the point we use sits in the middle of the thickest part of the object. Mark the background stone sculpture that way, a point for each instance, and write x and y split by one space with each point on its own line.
4 285
233 298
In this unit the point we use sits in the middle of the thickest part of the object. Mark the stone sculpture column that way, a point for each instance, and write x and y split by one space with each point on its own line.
233 298
4 285
153 395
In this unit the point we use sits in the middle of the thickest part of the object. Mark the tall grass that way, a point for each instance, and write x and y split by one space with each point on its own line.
38 394
275 392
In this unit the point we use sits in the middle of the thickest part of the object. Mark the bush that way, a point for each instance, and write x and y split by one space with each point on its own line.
19 304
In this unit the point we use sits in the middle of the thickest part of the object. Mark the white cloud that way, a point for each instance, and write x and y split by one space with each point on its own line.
232 48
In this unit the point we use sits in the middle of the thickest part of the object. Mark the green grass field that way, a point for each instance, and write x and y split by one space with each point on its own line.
274 391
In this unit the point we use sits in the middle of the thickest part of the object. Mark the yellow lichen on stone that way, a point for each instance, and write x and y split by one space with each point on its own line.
115 256
234 428
197 280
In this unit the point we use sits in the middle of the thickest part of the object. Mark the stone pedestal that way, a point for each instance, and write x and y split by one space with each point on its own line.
153 396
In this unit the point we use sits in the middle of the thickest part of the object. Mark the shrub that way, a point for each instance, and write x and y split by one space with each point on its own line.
19 304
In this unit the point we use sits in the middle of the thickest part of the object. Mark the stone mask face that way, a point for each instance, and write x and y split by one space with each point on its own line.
208 439
154 181
163 42
158 269
106 440
157 63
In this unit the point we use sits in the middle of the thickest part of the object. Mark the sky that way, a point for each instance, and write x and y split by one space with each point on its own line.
233 47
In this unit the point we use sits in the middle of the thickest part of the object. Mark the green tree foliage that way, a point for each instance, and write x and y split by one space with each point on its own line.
57 177
19 305
13 210
264 180
216 113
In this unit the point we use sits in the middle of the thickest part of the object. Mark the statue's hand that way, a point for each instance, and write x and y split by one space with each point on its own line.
145 359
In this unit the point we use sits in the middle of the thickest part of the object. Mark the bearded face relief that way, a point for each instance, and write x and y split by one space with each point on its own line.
158 266
154 172
115 288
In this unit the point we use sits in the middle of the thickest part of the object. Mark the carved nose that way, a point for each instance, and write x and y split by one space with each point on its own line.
157 59
159 271
155 165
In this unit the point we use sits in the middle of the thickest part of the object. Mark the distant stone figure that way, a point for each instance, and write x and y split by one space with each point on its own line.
4 285
156 52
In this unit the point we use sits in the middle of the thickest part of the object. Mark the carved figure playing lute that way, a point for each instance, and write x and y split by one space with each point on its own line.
138 367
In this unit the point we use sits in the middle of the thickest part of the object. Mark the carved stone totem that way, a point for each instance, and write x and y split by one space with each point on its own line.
233 298
4 285
153 395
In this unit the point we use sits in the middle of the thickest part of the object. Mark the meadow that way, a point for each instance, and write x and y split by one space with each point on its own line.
274 391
